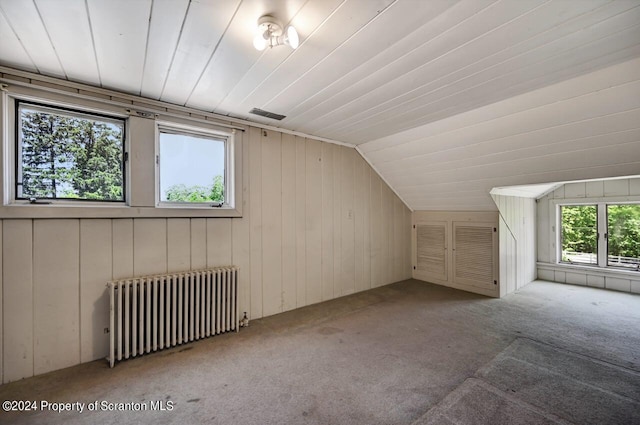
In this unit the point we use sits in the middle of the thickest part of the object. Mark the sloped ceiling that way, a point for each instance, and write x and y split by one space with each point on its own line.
366 70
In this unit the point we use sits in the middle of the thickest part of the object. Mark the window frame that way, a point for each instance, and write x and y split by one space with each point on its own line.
75 112
561 236
140 138
602 235
228 137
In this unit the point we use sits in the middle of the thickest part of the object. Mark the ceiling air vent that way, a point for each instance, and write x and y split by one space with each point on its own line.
267 114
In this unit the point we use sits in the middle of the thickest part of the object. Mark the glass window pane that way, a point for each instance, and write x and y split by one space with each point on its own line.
579 234
623 236
68 155
191 168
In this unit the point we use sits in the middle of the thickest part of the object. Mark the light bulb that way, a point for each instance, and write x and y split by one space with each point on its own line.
292 38
259 42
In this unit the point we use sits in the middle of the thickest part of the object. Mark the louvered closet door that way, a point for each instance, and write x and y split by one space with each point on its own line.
431 250
474 257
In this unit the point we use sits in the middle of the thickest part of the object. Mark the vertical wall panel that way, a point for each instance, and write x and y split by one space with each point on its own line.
149 246
376 232
218 242
390 237
122 231
272 222
178 244
347 222
255 220
347 273
301 225
337 220
517 240
96 265
240 229
358 214
398 223
366 178
327 221
198 243
314 221
594 189
17 280
56 294
288 219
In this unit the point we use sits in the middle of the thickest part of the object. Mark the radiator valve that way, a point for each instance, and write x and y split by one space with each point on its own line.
244 322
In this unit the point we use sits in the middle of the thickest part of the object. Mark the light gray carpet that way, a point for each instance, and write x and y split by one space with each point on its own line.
533 383
394 355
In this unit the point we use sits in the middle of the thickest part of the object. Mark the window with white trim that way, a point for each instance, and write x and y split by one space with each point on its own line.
603 234
194 167
67 154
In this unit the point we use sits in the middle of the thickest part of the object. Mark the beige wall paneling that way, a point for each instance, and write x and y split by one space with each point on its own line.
634 187
96 268
272 222
198 232
617 284
314 221
219 241
337 220
240 230
376 231
149 246
517 241
367 226
17 279
575 190
542 232
300 218
56 294
360 186
178 244
407 244
255 220
288 222
576 278
615 188
347 222
398 231
327 221
594 189
122 232
386 238
595 281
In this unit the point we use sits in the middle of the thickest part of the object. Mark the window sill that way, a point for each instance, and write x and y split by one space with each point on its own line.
591 270
29 211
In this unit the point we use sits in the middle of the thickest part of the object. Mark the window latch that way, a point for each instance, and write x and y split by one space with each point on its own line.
218 205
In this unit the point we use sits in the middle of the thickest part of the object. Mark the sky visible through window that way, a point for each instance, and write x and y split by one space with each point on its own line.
189 160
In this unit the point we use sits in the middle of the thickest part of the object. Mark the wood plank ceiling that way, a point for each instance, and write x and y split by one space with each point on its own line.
365 69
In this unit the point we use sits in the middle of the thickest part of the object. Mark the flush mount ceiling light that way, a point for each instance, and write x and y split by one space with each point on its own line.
270 34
